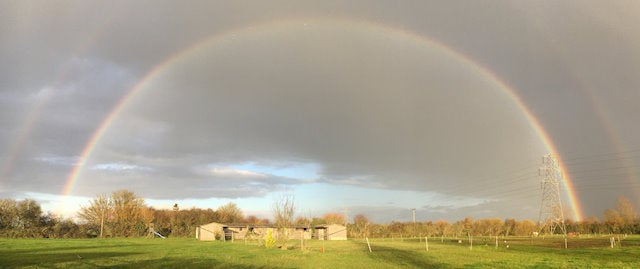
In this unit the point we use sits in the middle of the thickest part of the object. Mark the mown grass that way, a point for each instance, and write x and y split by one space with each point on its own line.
585 252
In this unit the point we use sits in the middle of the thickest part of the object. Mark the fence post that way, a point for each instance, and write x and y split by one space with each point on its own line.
612 241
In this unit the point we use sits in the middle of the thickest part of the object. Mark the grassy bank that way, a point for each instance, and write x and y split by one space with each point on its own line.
585 252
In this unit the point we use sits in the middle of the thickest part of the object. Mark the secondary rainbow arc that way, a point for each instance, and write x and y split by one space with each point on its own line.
260 27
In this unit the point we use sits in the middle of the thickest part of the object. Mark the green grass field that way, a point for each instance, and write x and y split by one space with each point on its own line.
584 252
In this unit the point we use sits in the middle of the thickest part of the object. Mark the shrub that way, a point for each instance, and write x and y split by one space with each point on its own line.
269 242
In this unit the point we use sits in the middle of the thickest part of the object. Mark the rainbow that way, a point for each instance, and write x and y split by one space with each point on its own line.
360 24
44 98
21 138
605 119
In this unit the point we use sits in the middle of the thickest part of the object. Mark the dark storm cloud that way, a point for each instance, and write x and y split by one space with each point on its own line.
348 111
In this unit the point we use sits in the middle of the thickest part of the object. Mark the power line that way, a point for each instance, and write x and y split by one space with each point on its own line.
513 182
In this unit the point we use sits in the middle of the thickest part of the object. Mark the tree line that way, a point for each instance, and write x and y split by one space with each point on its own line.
125 214
623 219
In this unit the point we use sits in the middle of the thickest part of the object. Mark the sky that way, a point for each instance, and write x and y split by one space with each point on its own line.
354 107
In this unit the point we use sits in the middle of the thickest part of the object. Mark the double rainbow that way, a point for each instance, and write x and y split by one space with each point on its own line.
389 31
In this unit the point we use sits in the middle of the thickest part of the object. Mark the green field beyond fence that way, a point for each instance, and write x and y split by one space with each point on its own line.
511 252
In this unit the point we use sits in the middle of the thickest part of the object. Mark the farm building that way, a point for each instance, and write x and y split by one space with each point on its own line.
240 231
331 232
209 232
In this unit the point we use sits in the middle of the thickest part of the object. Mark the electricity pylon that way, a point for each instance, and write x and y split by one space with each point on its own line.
551 216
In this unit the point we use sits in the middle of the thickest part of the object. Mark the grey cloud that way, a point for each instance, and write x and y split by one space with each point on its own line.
369 109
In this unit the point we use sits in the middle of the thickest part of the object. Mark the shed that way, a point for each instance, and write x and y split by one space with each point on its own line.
331 232
209 232
236 231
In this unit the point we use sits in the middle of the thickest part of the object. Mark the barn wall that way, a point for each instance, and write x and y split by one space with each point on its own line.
208 232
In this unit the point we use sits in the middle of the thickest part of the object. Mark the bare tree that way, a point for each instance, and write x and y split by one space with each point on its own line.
613 220
283 210
621 219
8 214
97 212
627 213
126 212
229 213
361 225
29 213
334 218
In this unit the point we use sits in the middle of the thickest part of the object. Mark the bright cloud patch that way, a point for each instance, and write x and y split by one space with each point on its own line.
60 160
115 167
286 169
231 172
